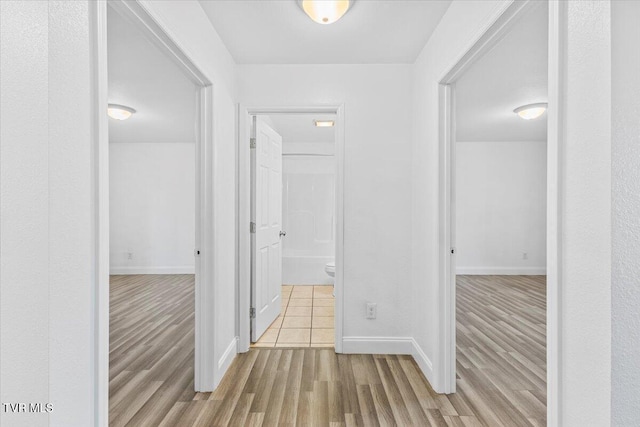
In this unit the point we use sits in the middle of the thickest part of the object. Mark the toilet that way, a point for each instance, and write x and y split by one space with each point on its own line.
330 268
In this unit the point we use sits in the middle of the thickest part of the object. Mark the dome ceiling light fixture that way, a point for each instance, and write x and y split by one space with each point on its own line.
531 111
325 11
120 112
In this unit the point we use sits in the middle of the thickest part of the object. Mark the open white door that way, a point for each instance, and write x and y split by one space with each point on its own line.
266 227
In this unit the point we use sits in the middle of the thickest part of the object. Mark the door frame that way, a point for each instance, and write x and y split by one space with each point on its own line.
502 21
205 369
244 213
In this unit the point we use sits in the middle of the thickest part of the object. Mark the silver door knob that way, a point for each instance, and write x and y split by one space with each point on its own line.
283 233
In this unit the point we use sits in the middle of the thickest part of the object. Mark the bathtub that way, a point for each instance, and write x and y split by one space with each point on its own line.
308 209
305 270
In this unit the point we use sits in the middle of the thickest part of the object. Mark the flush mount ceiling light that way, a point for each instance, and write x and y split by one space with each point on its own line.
531 111
120 112
325 11
323 123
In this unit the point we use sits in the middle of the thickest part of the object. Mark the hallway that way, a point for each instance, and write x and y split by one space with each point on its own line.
501 367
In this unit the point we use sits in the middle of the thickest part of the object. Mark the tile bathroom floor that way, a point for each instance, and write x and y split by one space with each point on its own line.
306 319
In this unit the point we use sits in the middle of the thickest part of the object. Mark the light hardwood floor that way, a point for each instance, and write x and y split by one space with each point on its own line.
501 341
501 367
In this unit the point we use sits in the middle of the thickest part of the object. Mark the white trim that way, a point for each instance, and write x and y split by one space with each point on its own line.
205 372
445 357
504 16
244 213
339 284
497 26
502 271
152 270
227 357
424 363
100 166
555 138
244 236
377 345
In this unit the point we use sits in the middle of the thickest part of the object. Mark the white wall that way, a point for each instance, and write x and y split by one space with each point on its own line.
585 210
501 207
377 178
585 371
47 199
625 287
46 267
152 208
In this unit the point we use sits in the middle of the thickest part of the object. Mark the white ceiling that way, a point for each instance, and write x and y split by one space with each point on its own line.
279 32
299 128
512 74
144 78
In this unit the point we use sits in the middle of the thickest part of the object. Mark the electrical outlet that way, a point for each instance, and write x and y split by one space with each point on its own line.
372 310
525 255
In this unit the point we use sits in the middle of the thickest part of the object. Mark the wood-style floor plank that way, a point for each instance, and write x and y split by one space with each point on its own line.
501 367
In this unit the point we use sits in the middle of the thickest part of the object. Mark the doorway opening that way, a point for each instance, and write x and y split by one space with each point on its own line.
152 224
290 167
496 193
157 312
300 204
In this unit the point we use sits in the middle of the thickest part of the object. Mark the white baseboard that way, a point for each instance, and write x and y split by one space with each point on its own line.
377 345
151 270
502 271
424 363
227 357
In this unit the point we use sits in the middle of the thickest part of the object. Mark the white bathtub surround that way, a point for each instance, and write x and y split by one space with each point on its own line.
315 149
305 270
308 214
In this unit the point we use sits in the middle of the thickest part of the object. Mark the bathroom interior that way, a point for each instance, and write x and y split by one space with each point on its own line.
308 217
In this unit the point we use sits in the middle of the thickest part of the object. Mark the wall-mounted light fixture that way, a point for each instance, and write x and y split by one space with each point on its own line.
531 111
120 112
325 11
324 123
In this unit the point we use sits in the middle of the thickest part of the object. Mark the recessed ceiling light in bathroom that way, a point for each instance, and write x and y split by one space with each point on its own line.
323 123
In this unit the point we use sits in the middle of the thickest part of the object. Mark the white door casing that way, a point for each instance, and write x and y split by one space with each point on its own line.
266 241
